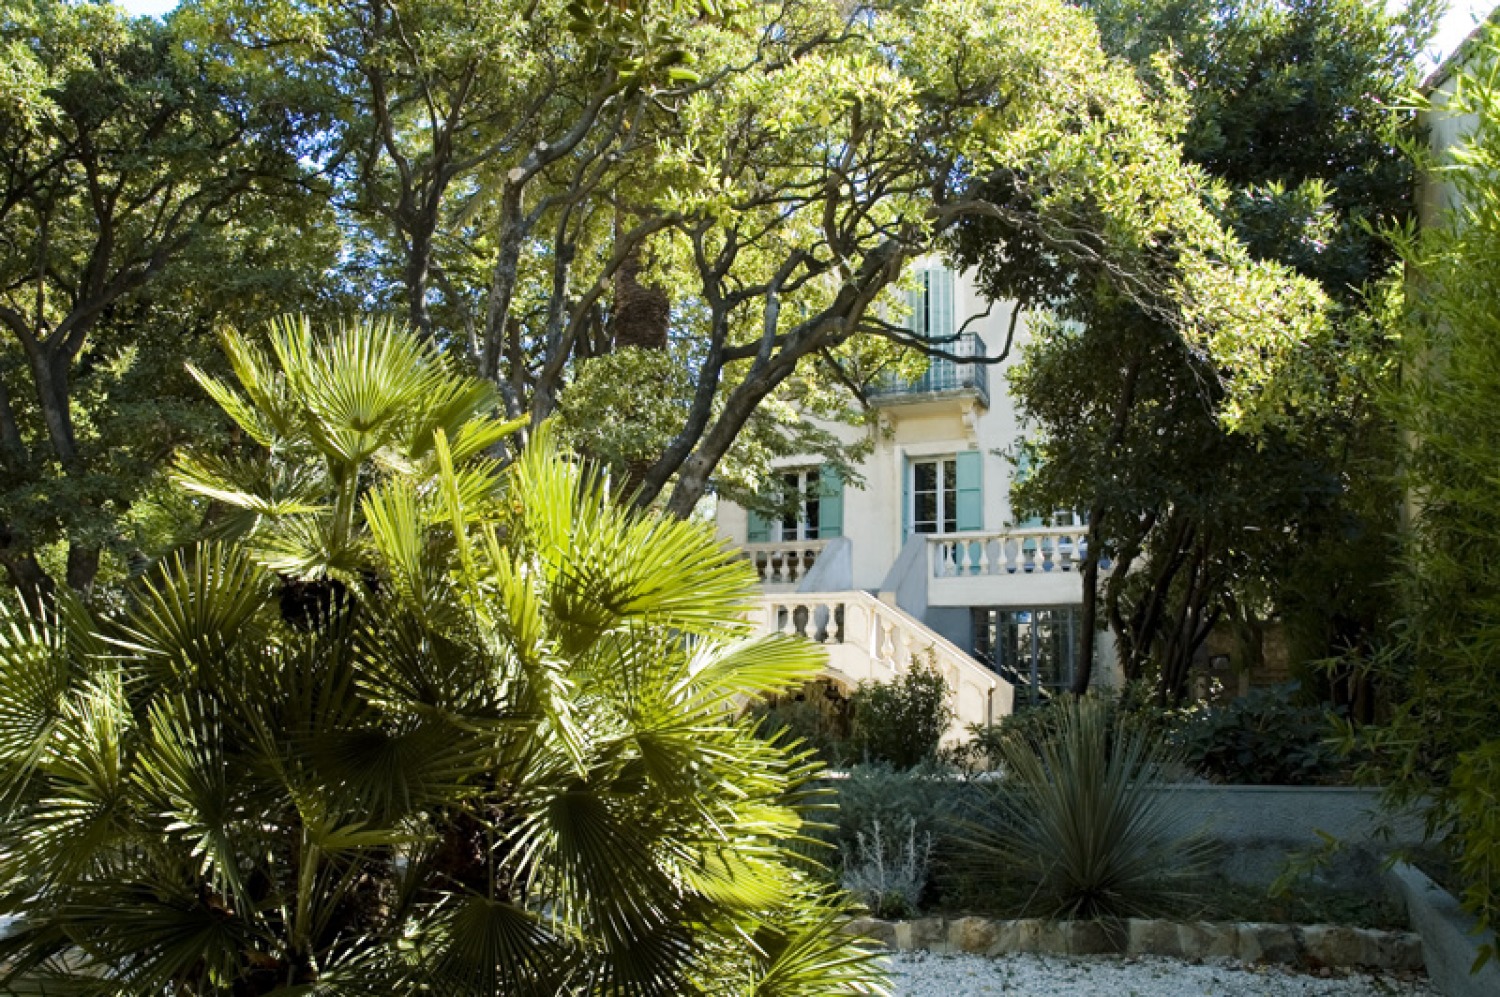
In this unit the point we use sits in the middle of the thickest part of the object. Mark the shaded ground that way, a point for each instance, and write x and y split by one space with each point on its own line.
917 974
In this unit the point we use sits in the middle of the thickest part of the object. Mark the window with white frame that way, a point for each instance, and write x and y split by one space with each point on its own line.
934 495
801 520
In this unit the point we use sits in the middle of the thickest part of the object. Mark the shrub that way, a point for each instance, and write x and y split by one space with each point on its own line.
888 874
901 722
1079 826
1263 738
1438 747
800 718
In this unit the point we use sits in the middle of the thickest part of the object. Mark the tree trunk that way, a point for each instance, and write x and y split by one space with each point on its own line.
642 312
31 583
1089 635
1087 638
641 318
83 567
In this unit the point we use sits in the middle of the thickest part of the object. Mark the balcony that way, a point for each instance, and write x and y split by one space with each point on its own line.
1016 566
943 378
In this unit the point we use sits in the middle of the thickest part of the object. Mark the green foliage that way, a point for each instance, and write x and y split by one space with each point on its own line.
484 761
149 190
1081 825
1267 737
806 723
901 722
869 794
1438 746
919 807
508 170
1289 105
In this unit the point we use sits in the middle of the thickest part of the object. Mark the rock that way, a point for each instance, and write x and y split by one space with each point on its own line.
929 934
1268 943
1389 949
1333 945
974 935
1029 935
1007 938
1151 937
1090 938
1208 940
876 930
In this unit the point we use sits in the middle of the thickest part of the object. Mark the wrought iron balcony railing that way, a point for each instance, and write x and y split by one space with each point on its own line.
942 377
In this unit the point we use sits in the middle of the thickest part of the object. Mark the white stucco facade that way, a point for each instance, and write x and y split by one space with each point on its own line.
975 580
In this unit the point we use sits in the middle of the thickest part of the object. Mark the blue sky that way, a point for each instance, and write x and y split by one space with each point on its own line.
1460 20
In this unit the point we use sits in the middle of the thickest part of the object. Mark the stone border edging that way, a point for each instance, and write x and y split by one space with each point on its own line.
1449 944
1314 946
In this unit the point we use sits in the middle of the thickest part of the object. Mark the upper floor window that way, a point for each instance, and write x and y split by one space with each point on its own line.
811 502
802 519
944 494
932 303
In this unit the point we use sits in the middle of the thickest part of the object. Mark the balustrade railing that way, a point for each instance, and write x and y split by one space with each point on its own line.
871 640
1019 550
942 375
783 562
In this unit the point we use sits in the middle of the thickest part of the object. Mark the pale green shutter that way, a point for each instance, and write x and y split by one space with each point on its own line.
917 302
970 498
1023 470
940 287
830 503
760 529
905 499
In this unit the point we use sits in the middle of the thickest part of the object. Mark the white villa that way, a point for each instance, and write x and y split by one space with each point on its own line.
925 559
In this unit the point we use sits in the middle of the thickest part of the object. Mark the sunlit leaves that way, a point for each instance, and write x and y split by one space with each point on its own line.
493 743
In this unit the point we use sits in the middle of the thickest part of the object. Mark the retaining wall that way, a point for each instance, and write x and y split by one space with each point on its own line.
1308 946
1259 827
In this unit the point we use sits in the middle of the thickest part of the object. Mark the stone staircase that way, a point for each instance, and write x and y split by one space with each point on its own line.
869 640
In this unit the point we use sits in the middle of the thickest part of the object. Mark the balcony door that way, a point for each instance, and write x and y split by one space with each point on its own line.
943 494
803 520
934 495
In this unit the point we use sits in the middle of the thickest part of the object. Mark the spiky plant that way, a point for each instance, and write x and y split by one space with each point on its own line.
1081 824
504 756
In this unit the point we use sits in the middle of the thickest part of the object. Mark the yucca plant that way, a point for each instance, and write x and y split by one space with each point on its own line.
1081 824
500 752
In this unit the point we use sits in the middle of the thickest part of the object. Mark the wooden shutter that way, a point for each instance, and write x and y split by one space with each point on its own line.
940 287
970 497
830 503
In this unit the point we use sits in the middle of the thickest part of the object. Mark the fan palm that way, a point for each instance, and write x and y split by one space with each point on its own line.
504 755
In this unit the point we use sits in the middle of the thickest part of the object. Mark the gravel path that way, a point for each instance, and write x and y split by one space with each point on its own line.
921 975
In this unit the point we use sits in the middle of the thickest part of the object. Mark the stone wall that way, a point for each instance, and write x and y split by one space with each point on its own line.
1308 946
1259 827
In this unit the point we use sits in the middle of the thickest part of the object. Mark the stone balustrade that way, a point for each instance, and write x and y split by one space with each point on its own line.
1018 550
868 640
783 562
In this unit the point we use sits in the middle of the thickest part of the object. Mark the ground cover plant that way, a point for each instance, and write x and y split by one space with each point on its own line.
418 722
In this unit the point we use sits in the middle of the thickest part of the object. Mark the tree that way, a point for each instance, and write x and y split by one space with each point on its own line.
1289 104
424 724
513 168
1438 748
142 190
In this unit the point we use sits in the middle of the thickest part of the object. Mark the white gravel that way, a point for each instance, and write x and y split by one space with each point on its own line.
918 974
